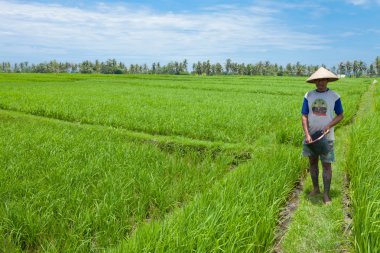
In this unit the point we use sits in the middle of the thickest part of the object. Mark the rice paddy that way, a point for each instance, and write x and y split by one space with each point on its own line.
363 166
146 163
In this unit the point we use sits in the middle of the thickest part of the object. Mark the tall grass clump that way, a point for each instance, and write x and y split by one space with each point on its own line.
238 214
363 165
72 188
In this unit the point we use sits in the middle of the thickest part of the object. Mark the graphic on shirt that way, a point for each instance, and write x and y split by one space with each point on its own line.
319 107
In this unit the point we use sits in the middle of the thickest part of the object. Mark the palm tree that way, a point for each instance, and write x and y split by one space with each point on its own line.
342 68
300 69
228 66
218 69
371 70
184 64
348 68
362 68
355 68
377 65
289 69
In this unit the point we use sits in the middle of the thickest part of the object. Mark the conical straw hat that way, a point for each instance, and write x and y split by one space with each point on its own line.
322 73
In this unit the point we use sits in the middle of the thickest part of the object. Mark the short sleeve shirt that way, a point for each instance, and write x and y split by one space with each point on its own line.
320 108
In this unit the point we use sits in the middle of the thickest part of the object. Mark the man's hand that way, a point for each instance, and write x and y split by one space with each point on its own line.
326 129
308 138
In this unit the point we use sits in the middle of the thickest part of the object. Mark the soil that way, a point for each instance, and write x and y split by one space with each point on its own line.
287 213
347 225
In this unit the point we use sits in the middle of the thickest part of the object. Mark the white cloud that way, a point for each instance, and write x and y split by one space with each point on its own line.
374 31
311 8
124 32
348 34
363 2
358 2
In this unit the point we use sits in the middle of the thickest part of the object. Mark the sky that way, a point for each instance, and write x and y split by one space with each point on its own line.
146 31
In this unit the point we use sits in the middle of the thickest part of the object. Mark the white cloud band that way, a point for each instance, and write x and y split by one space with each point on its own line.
121 31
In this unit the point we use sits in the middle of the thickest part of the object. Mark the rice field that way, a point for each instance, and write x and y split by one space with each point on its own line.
194 107
363 165
146 163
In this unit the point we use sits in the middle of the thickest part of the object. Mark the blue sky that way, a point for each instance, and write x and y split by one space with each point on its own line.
312 32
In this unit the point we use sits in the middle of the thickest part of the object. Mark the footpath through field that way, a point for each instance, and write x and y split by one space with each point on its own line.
314 226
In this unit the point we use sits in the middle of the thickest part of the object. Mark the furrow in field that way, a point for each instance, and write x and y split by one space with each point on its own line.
230 89
213 125
168 143
237 214
287 213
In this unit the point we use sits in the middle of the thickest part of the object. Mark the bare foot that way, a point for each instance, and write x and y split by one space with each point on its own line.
326 199
314 192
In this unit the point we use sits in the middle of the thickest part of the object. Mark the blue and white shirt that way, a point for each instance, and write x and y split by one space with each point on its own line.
320 108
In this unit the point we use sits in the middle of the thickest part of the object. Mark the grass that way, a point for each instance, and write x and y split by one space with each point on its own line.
149 163
238 214
79 188
233 110
363 166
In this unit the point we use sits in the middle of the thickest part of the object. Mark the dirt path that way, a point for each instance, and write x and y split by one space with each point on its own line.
287 214
316 227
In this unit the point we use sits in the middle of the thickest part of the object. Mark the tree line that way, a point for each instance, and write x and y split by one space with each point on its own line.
356 68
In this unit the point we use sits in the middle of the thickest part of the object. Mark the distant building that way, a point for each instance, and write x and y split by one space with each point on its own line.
341 76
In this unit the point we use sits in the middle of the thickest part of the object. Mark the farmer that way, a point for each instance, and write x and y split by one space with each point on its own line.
318 110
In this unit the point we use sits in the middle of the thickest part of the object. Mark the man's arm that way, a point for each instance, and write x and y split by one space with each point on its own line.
305 125
335 121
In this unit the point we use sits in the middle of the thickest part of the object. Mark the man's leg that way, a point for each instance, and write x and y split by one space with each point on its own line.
327 175
314 172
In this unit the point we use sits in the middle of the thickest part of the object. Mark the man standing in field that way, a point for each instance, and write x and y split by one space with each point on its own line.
318 110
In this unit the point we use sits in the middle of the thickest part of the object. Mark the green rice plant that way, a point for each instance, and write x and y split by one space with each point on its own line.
363 165
234 110
66 187
238 214
149 145
217 115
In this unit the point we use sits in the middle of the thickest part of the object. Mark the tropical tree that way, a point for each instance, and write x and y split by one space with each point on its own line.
86 67
228 66
280 71
362 68
218 69
342 68
377 65
289 69
355 68
348 68
371 70
300 69
111 66
184 66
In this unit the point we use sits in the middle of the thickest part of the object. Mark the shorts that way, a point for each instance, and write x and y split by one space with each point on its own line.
325 158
